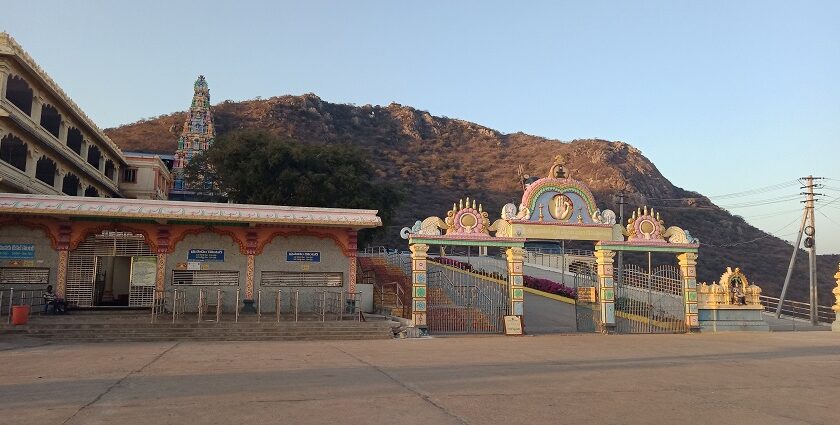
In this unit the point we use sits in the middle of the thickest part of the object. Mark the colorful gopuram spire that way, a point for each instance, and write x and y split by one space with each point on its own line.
198 132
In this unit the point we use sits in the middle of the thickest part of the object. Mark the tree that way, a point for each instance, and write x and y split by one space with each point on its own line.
255 167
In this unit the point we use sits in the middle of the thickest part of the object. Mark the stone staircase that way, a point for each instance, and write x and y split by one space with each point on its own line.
385 297
137 326
444 316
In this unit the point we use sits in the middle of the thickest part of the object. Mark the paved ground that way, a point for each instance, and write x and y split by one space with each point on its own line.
747 378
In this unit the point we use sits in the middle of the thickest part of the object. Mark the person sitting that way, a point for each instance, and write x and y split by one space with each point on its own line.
49 299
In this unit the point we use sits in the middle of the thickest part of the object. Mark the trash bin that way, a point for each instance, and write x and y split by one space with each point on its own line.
20 314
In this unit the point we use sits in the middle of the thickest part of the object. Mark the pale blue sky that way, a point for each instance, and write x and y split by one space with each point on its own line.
723 96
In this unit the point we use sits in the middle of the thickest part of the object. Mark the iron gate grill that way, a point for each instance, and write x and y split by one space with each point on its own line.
650 302
83 263
587 314
461 302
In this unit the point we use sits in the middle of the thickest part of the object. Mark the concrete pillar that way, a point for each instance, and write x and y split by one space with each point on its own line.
418 286
836 307
62 132
688 272
59 179
606 289
4 80
248 301
516 293
37 104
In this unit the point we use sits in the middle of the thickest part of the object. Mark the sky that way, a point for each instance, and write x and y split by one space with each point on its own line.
726 98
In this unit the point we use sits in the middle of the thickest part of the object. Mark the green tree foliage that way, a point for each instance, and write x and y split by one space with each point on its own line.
253 167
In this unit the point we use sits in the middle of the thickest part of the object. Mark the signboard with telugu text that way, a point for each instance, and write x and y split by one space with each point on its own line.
202 255
17 251
307 256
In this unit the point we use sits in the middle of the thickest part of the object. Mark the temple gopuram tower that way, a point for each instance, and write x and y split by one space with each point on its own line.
197 136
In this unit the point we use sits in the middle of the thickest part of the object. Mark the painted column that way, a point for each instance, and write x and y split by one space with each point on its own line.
352 251
606 289
63 246
251 254
688 271
516 298
418 286
162 245
836 307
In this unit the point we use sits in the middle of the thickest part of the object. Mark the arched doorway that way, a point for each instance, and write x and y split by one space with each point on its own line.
19 93
45 170
13 152
111 268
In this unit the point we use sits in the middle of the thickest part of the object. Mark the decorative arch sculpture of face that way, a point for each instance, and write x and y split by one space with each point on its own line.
561 207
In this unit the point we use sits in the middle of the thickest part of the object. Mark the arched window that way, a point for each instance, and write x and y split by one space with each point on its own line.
91 192
70 185
74 140
50 119
93 156
109 169
19 93
13 152
45 170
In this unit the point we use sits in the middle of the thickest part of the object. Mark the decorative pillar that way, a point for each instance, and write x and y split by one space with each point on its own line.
162 244
606 289
836 307
63 246
58 184
352 251
418 286
516 293
688 271
250 252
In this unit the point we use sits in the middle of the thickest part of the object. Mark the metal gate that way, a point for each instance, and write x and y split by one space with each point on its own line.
650 302
463 302
84 260
587 309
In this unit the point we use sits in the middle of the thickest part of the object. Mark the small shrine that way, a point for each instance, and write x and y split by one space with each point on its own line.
731 304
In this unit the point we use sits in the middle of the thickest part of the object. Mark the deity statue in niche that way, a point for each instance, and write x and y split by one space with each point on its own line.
561 207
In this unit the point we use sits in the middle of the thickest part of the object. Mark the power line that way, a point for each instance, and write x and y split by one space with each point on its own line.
758 190
769 234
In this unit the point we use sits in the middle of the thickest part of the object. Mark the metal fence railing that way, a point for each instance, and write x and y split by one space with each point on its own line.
10 297
288 305
797 309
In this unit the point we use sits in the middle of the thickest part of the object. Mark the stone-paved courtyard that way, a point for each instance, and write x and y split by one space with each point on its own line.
744 378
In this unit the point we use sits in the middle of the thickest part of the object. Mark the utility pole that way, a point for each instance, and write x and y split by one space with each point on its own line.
808 228
812 249
621 204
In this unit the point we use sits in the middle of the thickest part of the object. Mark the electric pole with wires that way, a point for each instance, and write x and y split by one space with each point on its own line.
807 228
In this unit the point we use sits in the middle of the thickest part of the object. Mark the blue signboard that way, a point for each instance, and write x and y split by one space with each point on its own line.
206 255
308 256
17 251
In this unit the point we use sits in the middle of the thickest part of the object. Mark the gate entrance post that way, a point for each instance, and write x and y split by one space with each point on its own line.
606 289
418 286
516 297
688 272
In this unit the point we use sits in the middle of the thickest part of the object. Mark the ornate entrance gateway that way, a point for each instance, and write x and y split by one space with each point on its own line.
650 302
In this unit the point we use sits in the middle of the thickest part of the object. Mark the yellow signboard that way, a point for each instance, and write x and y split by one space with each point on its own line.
586 294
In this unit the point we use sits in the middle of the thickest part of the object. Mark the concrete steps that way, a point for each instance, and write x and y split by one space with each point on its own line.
125 327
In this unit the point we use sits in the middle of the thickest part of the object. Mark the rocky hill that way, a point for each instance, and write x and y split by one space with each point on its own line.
439 160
